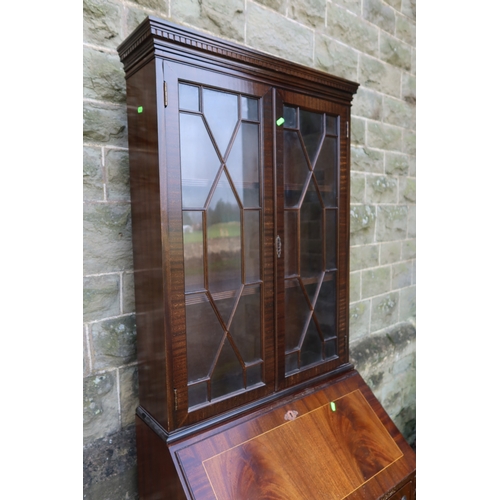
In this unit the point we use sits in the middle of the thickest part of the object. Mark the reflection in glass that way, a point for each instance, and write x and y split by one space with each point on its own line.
228 373
326 172
291 362
331 348
251 224
325 306
331 239
246 324
197 394
331 125
311 351
243 164
221 111
224 303
223 239
290 116
297 313
249 109
192 228
311 235
254 374
295 168
189 97
291 243
199 163
203 333
311 128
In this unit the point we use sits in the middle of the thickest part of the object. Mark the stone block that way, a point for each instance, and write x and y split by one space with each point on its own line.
105 124
352 5
308 12
414 273
86 354
355 286
225 19
409 249
110 467
380 14
357 188
100 406
364 256
406 29
383 136
101 297
408 190
364 159
400 113
390 252
107 240
93 189
381 189
413 61
409 8
367 104
117 170
134 18
103 76
396 163
396 4
352 30
409 88
114 342
157 5
358 131
335 58
379 76
128 293
401 274
412 221
129 394
413 166
408 303
359 319
101 23
277 5
375 281
362 224
409 142
385 311
392 222
395 52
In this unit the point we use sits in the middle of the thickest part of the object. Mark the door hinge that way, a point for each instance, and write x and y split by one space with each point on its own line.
175 399
165 94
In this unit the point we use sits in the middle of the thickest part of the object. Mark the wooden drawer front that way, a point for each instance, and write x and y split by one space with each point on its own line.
405 493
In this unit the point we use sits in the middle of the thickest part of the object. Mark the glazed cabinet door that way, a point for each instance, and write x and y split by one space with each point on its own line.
218 238
312 218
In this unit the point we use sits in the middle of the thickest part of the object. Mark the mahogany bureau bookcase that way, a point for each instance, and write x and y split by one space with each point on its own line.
239 177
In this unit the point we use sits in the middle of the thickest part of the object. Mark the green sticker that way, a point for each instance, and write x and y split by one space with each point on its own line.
332 406
139 109
280 121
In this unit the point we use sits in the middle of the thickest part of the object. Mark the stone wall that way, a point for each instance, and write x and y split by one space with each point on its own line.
368 41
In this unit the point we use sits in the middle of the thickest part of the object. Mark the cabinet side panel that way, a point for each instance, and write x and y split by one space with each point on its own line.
147 243
156 474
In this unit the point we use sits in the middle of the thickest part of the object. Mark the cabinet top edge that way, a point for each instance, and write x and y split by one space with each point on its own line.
154 33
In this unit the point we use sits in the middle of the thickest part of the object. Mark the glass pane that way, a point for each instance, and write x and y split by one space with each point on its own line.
254 374
326 305
311 350
223 239
246 325
192 228
189 97
251 221
325 171
243 164
228 374
198 164
204 334
331 348
311 286
197 394
290 116
249 109
297 313
291 362
291 245
311 235
224 303
221 111
311 128
331 124
331 239
295 167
